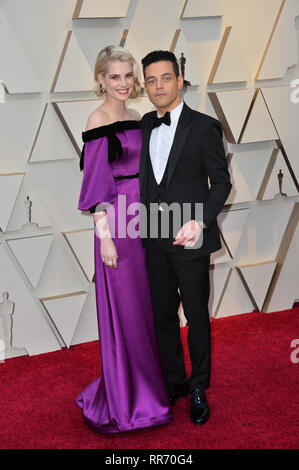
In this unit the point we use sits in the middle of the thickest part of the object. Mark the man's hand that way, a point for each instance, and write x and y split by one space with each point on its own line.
189 234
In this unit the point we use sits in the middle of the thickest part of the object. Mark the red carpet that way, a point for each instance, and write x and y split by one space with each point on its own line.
254 394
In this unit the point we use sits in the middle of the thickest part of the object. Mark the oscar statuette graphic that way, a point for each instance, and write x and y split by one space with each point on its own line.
28 208
280 178
7 349
183 64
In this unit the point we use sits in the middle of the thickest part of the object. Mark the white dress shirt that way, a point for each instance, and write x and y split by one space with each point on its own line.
160 144
161 141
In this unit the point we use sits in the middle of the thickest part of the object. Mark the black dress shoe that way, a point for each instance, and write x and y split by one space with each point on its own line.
176 390
200 410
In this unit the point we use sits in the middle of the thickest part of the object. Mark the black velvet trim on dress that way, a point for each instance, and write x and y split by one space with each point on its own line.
115 149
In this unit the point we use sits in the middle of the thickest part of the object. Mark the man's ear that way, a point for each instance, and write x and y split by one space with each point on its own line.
180 82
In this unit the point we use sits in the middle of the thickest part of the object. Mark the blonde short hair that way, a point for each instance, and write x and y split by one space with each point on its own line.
108 55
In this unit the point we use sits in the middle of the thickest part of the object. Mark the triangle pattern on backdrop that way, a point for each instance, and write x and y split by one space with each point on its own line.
73 72
14 62
75 115
229 64
20 215
93 9
32 253
259 126
235 299
247 170
232 108
10 184
258 277
218 278
221 256
52 141
65 311
81 243
202 8
283 37
231 224
30 327
286 290
285 115
288 187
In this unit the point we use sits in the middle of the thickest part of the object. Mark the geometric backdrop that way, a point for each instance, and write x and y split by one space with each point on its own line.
242 62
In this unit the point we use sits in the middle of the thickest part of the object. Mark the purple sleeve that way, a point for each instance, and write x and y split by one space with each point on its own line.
98 185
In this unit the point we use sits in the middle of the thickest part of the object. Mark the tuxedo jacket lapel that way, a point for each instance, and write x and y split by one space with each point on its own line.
181 134
144 157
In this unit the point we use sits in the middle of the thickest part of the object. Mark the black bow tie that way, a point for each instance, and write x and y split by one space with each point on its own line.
156 121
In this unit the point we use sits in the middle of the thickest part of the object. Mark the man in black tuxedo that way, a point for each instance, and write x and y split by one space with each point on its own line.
182 161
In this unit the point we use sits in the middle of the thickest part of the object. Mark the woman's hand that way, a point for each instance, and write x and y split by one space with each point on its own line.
108 252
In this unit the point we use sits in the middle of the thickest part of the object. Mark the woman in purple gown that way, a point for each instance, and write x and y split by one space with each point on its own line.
130 393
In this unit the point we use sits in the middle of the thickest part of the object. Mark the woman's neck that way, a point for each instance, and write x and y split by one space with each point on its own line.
115 108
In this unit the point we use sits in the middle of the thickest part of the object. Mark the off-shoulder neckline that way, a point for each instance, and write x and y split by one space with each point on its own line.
103 131
115 123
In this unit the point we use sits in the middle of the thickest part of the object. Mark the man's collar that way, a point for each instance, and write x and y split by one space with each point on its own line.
175 113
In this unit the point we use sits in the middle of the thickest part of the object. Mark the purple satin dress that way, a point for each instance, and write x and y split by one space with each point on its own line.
130 393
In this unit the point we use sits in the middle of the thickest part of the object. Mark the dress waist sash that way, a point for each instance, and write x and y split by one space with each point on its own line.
126 177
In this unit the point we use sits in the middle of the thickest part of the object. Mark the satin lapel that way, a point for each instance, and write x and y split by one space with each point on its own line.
146 132
181 134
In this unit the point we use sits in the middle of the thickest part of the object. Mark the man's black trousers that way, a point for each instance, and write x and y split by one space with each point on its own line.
168 272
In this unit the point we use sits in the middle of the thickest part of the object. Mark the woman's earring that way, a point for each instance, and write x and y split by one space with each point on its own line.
103 89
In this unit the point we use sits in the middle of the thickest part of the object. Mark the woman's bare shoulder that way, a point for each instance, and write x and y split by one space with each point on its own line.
96 119
134 114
